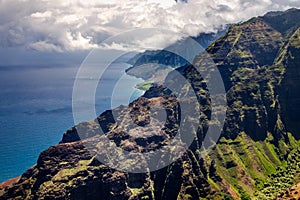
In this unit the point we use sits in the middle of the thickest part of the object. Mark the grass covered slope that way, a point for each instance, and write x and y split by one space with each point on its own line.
257 156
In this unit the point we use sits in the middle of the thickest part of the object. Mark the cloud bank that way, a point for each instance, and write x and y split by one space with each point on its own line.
70 25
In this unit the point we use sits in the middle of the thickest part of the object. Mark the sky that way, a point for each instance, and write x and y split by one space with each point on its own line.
36 27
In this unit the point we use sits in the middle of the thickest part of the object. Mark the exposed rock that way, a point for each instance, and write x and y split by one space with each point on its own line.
292 194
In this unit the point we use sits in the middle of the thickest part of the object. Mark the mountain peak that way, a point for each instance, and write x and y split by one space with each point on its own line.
284 22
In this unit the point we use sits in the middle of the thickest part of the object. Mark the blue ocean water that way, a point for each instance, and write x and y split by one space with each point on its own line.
36 109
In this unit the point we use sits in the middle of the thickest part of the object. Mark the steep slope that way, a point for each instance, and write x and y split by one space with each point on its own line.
259 132
290 90
167 58
284 22
70 171
257 156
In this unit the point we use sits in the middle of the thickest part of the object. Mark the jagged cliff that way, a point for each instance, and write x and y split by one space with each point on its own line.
257 156
164 57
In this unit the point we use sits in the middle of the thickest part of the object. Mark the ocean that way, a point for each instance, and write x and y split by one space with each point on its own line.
36 109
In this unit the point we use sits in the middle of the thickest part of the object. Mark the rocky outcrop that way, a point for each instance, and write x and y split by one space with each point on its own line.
70 171
291 193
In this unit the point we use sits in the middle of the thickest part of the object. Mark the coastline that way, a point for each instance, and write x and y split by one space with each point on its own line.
43 113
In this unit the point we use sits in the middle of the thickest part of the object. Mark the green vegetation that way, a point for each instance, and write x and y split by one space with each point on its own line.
144 86
257 157
245 165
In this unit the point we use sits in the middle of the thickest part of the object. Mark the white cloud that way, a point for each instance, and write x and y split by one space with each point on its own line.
46 14
48 25
44 46
139 40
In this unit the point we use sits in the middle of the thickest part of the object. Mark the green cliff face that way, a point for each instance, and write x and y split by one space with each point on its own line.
257 156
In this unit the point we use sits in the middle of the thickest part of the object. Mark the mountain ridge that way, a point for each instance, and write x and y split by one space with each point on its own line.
257 156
